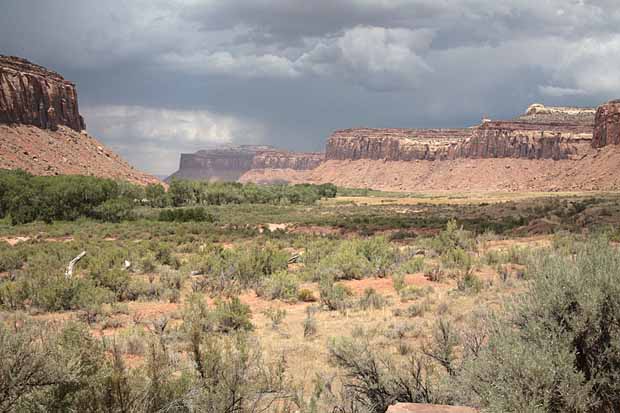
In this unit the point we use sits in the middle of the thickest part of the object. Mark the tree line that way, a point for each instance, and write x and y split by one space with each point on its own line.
26 198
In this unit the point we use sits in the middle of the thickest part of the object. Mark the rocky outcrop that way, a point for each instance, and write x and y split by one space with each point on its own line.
33 95
393 144
299 161
229 164
42 132
607 125
491 139
538 113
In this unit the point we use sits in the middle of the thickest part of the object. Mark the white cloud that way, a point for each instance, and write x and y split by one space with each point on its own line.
555 91
225 63
591 65
152 138
378 58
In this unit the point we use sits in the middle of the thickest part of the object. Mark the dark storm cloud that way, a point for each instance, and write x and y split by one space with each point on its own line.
159 77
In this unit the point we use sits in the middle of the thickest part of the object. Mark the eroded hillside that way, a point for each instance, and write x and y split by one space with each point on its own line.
42 131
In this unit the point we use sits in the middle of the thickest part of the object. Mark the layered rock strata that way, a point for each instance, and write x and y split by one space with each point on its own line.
299 161
33 95
229 164
491 139
607 125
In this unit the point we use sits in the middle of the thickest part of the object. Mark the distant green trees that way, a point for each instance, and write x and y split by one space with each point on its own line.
183 192
26 198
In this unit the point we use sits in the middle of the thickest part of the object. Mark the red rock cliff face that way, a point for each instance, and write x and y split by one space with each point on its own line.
607 125
33 95
501 139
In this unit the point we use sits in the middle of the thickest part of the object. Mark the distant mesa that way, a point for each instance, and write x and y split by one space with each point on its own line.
231 162
547 148
42 131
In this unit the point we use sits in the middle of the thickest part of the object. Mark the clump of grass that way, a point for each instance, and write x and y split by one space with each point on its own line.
470 283
334 296
310 324
276 316
305 295
371 299
280 285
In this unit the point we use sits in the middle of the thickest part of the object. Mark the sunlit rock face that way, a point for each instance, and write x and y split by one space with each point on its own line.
607 125
542 133
33 95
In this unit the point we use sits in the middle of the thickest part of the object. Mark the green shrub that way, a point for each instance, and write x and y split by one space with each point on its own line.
11 258
453 237
412 265
310 326
398 281
156 196
456 258
411 292
371 299
232 315
27 198
418 309
305 295
198 214
557 349
114 210
280 285
276 315
470 282
334 296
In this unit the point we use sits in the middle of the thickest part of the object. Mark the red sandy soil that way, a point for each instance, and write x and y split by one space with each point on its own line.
63 152
596 170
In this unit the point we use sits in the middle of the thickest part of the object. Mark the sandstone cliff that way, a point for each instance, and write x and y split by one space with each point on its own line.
276 159
33 95
229 164
491 139
41 130
607 125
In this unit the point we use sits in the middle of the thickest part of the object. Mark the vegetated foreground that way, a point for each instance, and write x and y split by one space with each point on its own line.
245 298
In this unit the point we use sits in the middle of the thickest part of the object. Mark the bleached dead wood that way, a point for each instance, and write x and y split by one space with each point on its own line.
69 272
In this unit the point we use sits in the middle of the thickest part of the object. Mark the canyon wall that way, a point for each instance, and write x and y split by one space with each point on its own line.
607 125
229 164
299 161
560 135
33 95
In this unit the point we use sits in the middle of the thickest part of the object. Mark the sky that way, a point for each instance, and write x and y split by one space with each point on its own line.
157 78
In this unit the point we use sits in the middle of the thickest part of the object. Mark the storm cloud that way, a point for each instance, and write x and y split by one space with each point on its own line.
157 78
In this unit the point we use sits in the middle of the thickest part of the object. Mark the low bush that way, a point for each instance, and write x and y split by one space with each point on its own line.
310 326
556 349
412 265
334 296
371 299
231 315
197 214
280 285
276 315
305 295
